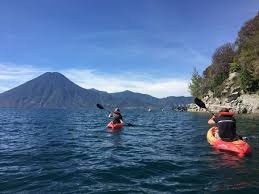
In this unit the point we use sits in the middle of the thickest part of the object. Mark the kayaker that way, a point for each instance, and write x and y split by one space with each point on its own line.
226 125
116 116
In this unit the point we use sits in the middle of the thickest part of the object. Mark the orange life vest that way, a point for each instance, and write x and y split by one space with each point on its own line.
226 113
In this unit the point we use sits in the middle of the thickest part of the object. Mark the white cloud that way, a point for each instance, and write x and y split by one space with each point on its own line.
14 75
115 83
18 73
2 88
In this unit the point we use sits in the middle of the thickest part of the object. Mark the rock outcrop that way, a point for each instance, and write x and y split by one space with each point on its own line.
232 97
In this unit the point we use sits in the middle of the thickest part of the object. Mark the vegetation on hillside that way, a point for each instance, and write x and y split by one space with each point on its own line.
241 56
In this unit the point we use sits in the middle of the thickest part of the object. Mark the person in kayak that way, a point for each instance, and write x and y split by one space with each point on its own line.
116 116
226 125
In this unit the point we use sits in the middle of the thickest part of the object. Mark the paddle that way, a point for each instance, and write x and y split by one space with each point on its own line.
201 105
101 107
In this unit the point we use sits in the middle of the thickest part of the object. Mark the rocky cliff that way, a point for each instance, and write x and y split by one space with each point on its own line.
232 97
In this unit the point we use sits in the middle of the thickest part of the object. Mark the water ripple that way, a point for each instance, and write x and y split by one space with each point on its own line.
71 151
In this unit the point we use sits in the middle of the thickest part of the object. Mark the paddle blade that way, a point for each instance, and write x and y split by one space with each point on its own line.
199 103
130 125
99 106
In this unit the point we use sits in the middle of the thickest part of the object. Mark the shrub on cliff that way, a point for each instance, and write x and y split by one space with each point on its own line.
218 80
248 83
234 67
222 58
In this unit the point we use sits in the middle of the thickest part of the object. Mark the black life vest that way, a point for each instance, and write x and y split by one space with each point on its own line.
117 117
226 124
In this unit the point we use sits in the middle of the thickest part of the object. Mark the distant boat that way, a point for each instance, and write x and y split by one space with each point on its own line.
162 110
149 110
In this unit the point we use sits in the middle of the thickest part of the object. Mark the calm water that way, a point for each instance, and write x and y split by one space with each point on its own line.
71 151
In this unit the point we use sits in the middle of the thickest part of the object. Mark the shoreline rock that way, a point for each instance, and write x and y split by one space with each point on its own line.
244 104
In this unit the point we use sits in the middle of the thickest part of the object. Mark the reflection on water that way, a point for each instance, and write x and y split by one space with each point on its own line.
116 137
228 160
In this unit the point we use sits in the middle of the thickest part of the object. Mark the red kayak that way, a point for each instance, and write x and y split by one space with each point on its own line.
115 126
240 147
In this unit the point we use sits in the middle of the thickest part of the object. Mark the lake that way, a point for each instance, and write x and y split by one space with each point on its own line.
71 151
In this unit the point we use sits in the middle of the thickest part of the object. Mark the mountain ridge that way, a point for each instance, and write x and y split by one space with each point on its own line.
54 90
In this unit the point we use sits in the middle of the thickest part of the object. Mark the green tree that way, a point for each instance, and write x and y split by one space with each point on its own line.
248 83
216 84
246 79
195 86
248 54
235 67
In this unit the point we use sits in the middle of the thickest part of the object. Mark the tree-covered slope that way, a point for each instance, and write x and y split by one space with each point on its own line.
241 57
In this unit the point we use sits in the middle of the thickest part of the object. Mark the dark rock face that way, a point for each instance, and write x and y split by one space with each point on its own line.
54 90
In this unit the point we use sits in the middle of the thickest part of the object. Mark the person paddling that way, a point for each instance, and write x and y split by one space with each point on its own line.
116 116
226 125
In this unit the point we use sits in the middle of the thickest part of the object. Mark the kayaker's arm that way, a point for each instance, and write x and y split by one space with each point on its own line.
212 120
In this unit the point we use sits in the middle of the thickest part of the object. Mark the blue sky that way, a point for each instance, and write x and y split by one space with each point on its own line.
147 46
